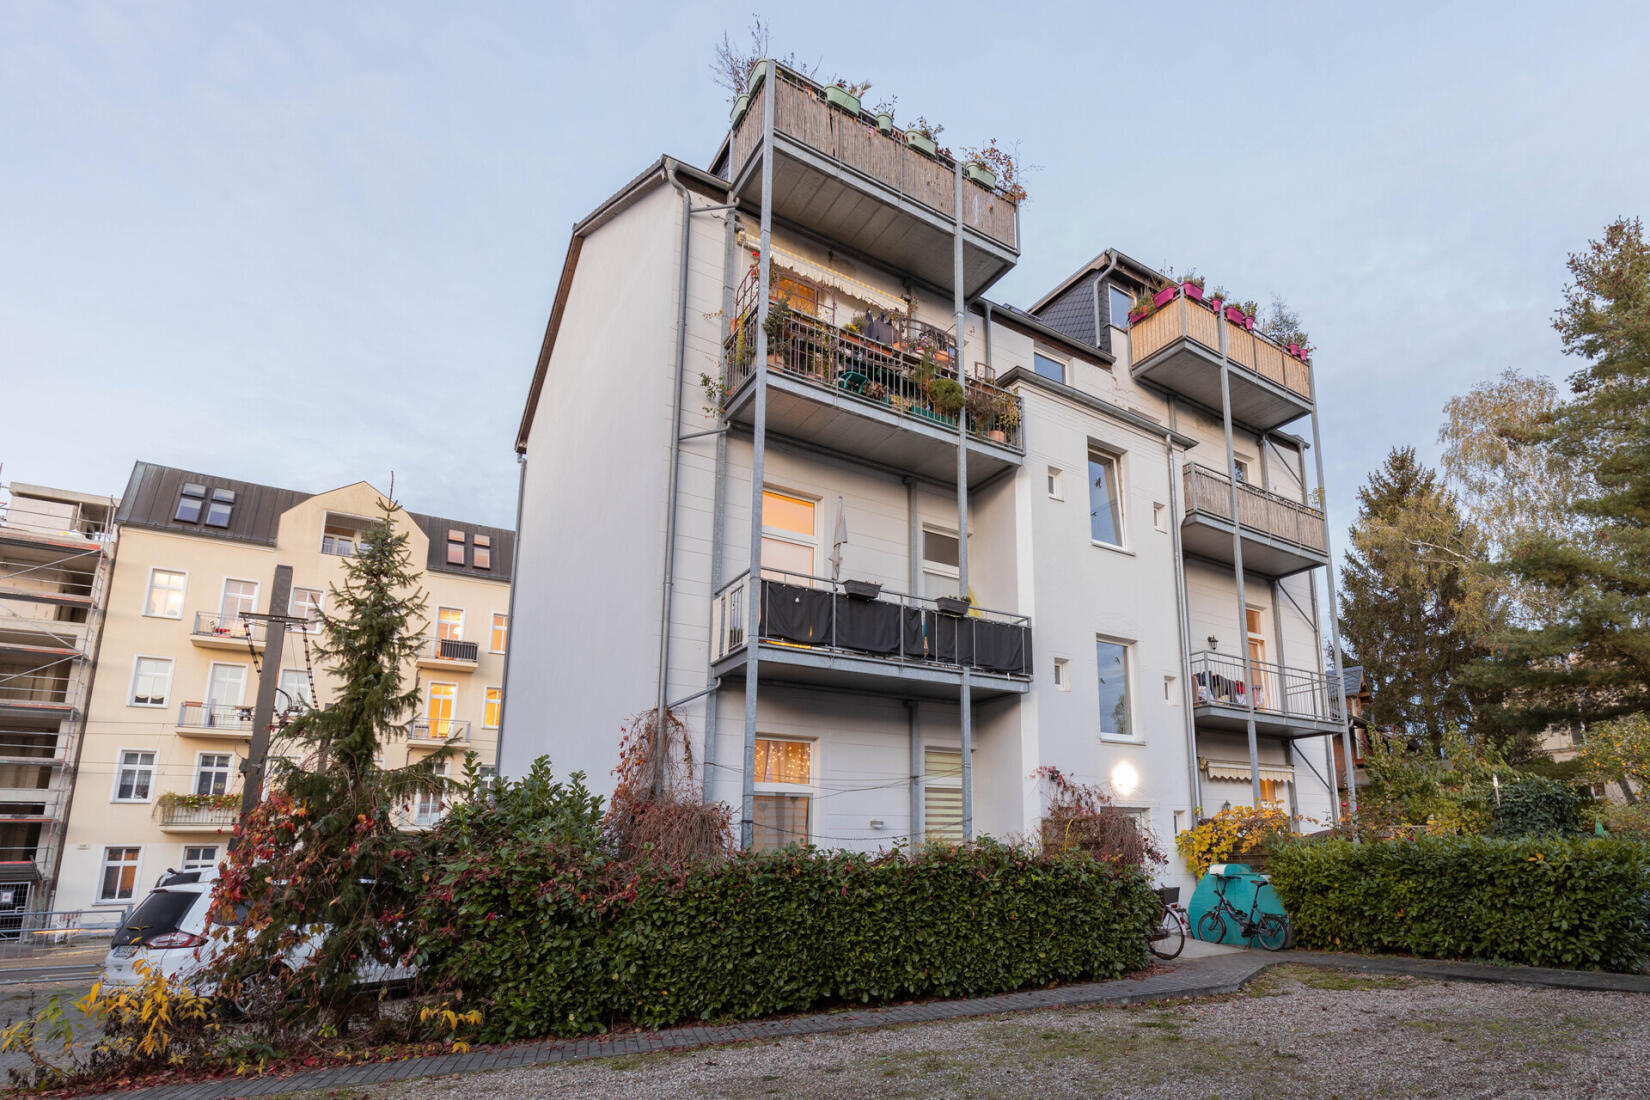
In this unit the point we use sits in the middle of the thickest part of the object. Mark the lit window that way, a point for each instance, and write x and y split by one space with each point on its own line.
783 761
199 857
306 603
151 681
1047 367
781 813
438 711
1112 659
212 770
1105 500
217 513
120 868
455 547
787 537
449 624
166 587
1120 302
942 801
135 777
481 553
494 707
191 498
501 632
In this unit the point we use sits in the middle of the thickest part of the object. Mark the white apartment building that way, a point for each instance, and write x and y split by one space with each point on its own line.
741 405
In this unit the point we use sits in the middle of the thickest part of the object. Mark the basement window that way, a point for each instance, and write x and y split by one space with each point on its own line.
191 499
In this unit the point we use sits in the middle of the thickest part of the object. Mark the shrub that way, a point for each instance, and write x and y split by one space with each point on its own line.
1629 819
1547 901
1233 832
1081 818
1536 805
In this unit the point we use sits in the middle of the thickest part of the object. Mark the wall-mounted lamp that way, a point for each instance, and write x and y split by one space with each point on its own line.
1214 642
1125 780
878 823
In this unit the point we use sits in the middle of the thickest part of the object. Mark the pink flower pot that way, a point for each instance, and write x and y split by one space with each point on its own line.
1165 296
1295 350
1235 315
1216 303
1137 315
1193 291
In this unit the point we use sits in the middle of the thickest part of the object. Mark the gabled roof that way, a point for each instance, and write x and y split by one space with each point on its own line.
1144 273
151 500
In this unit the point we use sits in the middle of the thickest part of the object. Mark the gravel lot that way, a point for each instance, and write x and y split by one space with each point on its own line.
1295 1032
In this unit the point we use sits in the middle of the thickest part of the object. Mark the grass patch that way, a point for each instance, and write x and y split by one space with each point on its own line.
1346 979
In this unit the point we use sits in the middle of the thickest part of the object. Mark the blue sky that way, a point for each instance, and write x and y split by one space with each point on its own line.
307 244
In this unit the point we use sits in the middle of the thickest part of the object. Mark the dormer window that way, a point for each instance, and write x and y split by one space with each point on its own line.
191 499
342 535
482 554
217 512
455 547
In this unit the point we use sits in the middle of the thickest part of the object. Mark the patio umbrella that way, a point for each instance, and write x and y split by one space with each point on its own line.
837 540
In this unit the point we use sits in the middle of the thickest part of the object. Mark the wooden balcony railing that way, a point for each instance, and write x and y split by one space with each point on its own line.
801 113
1209 492
1249 351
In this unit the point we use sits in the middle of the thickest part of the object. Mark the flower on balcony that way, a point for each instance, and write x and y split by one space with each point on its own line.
174 801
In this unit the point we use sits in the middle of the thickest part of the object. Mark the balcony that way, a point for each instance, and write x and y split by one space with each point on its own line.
1178 348
197 813
34 691
1289 702
814 634
434 732
450 655
215 720
1281 537
860 391
835 174
215 631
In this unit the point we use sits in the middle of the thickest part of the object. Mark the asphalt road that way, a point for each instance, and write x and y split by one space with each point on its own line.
22 999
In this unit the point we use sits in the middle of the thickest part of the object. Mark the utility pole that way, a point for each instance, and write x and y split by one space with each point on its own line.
269 676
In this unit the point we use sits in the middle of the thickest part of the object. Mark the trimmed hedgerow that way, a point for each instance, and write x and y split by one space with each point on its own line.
1536 901
523 939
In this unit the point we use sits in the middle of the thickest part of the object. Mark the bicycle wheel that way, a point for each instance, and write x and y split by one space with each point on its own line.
1169 937
1211 927
1272 932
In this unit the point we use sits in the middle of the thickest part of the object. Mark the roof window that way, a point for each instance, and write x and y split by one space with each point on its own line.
191 499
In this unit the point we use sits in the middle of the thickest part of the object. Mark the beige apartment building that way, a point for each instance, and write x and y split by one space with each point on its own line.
170 717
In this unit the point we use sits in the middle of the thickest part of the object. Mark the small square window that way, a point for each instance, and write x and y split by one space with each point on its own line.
1056 484
199 857
455 547
1062 673
1048 367
217 514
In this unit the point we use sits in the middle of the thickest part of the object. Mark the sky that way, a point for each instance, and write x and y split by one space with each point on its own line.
307 244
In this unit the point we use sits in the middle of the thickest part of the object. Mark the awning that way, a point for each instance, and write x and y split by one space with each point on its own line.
827 276
1239 770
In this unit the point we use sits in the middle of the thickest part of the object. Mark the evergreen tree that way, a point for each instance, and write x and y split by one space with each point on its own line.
1590 659
323 854
1417 600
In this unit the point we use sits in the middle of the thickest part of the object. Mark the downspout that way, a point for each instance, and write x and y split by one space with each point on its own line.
1196 784
965 699
1111 264
709 753
510 610
913 584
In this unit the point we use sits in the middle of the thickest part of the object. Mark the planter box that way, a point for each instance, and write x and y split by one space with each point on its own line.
981 175
885 123
1235 315
925 145
1138 315
1165 296
740 106
1193 291
757 74
930 414
952 605
862 590
842 99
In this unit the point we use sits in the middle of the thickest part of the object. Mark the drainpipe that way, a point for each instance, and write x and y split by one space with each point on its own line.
1196 783
965 700
1098 280
916 828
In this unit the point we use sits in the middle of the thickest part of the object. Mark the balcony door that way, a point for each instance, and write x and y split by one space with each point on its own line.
438 710
238 597
1255 618
225 694
789 537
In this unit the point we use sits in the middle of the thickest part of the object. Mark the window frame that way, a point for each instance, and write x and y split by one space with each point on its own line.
227 770
808 790
246 679
311 626
104 866
359 525
491 707
148 590
1133 737
492 635
1055 483
932 780
1121 516
928 566
459 636
153 767
1062 673
171 676
790 537
430 719
1040 353
1116 319
186 864
223 593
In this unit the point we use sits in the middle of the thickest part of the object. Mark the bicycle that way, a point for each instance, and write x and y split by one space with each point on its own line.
1167 936
1270 930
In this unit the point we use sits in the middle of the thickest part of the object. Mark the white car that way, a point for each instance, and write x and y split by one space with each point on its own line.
169 931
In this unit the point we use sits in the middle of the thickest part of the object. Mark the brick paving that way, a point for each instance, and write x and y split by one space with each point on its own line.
1198 977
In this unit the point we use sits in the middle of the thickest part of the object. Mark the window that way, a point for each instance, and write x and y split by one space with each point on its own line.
342 535
293 691
1170 695
191 498
438 709
783 804
120 868
487 777
1160 516
1056 484
1062 674
199 857
212 770
225 687
449 624
942 795
165 598
788 539
306 603
151 681
239 597
1257 639
135 777
1271 791
432 804
481 551
1105 500
493 708
941 575
217 513
1047 367
455 547
1112 659
1240 470
1120 302
501 632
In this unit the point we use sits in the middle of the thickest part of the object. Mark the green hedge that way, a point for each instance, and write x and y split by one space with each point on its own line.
1536 901
781 932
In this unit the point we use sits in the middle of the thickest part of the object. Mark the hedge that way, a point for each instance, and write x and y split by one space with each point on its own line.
781 932
1535 901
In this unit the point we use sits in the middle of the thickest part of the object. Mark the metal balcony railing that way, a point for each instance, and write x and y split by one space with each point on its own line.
815 613
441 729
451 649
34 687
1218 680
170 813
1208 491
1184 318
215 716
212 624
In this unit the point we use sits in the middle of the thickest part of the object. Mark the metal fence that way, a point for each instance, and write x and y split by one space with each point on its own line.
1218 680
38 934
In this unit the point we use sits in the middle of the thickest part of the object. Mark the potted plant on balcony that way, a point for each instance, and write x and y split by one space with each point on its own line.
1251 313
1217 298
885 115
845 96
1008 414
875 391
924 136
1142 306
862 590
952 605
983 413
1164 296
774 326
947 397
1192 284
740 106
980 174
